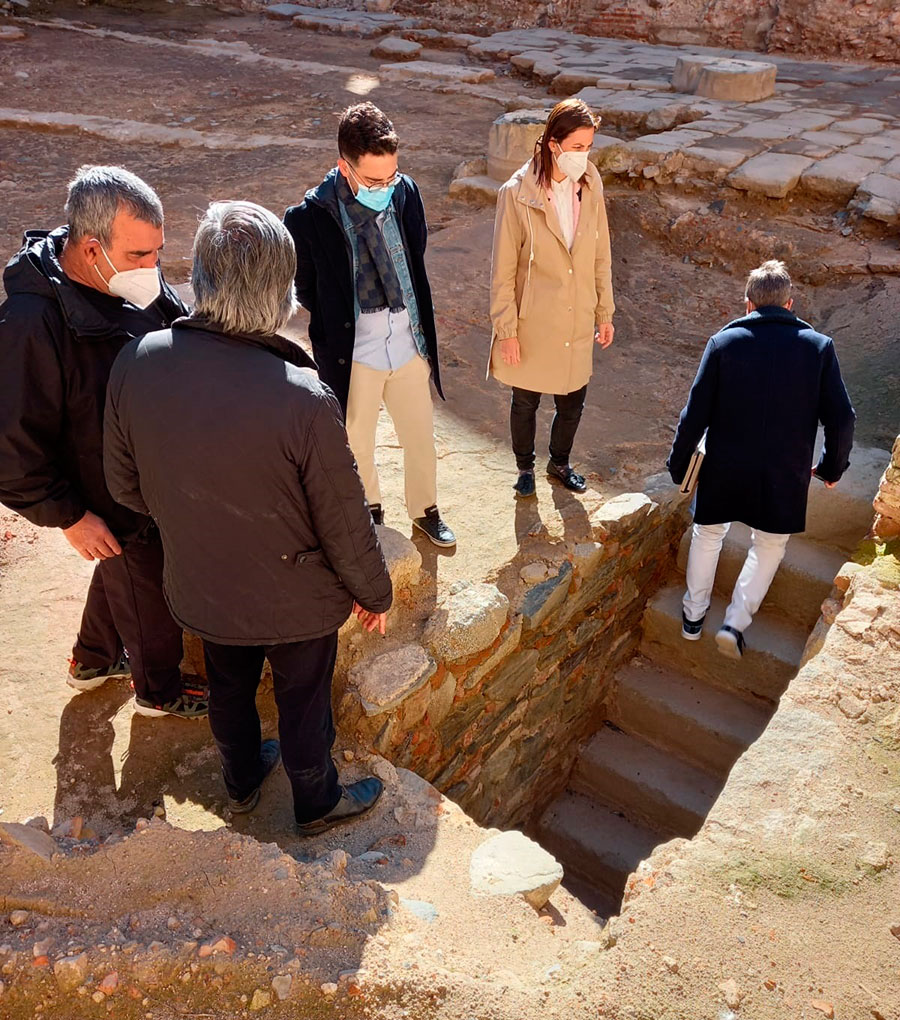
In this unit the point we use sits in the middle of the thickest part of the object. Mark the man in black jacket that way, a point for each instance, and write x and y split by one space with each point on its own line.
218 428
75 296
360 239
764 384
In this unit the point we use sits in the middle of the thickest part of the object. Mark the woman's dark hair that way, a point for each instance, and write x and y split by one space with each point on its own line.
566 117
365 131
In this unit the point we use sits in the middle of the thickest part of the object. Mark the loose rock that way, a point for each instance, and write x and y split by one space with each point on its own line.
732 993
71 971
511 864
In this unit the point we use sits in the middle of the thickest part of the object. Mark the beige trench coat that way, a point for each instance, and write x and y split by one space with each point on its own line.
547 296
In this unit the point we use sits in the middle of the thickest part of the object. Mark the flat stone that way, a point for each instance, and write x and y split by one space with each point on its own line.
383 681
284 12
11 33
466 622
422 909
667 117
395 48
403 559
609 82
608 154
742 81
836 138
879 196
443 72
25 837
543 598
71 971
261 1000
801 147
511 141
860 126
511 864
567 83
772 129
772 174
707 160
479 190
281 985
621 514
875 147
506 647
838 177
807 120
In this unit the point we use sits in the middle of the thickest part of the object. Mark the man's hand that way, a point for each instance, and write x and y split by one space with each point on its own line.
510 350
91 538
828 485
603 334
370 621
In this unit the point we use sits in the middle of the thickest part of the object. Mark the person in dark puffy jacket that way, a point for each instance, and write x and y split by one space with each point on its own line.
74 297
220 430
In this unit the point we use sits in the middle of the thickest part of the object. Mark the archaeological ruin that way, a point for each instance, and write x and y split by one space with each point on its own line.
585 815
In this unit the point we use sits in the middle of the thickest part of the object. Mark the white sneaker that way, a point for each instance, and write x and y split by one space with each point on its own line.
730 642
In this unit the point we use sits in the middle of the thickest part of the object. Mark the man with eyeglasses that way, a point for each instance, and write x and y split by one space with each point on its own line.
360 238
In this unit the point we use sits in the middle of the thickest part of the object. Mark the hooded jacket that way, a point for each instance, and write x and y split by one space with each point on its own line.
58 341
325 284
239 453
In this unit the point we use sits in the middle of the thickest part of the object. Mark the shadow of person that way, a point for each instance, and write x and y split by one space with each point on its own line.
431 554
575 520
528 523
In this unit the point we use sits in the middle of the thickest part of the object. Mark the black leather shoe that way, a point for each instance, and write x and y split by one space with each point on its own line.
377 513
524 486
433 526
570 479
270 756
356 799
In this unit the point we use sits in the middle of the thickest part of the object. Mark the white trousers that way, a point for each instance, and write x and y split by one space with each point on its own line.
765 555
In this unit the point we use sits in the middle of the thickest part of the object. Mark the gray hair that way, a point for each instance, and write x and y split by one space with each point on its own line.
244 268
98 193
769 285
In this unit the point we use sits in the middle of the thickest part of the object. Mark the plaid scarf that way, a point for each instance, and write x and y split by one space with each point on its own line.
377 284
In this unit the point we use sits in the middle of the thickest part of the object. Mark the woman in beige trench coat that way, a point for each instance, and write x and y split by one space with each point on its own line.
551 289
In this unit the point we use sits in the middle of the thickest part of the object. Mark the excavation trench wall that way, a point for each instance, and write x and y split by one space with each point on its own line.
491 699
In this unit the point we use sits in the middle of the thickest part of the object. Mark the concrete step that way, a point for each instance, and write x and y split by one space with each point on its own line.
594 844
697 722
803 580
842 516
646 784
771 658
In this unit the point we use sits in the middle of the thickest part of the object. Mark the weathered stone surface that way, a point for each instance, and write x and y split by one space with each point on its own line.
860 126
385 680
71 971
772 174
466 621
511 141
742 81
667 117
879 198
567 83
839 176
281 985
403 559
394 48
709 160
284 11
543 598
621 514
25 837
442 700
441 72
507 646
511 864
479 190
11 33
509 680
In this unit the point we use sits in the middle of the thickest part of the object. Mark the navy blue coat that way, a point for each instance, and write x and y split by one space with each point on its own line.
325 277
764 384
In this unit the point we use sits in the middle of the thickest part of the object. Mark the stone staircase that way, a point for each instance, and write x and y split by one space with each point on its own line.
680 714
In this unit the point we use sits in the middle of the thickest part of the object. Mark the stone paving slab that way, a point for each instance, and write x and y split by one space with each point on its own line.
771 174
431 69
838 177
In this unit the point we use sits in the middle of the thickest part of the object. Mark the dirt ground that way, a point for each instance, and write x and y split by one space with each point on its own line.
61 756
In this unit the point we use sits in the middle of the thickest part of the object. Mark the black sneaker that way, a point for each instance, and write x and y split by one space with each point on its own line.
192 703
524 486
569 478
730 642
356 799
434 527
377 513
691 630
86 678
270 756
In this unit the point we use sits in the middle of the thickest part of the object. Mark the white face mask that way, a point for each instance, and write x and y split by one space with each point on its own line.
572 164
139 286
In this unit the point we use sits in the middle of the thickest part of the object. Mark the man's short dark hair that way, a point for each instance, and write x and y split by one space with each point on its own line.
365 131
770 284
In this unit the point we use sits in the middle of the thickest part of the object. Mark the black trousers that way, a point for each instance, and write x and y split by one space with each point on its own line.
125 606
523 424
302 672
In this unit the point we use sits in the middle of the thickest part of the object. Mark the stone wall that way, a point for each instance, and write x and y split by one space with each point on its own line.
887 502
489 701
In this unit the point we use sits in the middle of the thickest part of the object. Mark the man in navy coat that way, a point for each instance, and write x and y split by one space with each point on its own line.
764 384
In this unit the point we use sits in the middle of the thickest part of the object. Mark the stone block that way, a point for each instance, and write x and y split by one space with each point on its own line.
466 621
586 556
511 141
458 720
71 971
741 81
384 680
511 864
544 598
610 82
403 559
395 48
478 190
508 644
442 700
544 71
622 514
667 117
838 177
772 174
773 129
875 147
860 126
609 154
879 198
801 147
594 97
807 120
705 160
284 12
830 137
429 69
25 837
508 682
567 83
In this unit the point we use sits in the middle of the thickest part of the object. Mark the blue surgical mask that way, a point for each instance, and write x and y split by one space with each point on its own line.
376 199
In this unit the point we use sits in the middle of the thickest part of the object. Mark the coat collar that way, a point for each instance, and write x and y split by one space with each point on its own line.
326 194
768 313
534 197
278 345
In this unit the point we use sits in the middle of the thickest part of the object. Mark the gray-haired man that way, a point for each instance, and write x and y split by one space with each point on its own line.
218 429
75 296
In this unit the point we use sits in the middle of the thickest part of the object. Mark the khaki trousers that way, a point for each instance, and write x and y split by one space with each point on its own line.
406 394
